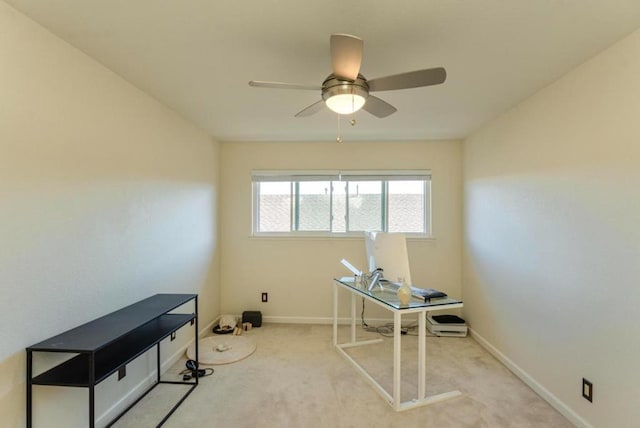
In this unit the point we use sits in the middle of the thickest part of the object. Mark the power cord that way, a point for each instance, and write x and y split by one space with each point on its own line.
364 324
193 371
362 321
386 330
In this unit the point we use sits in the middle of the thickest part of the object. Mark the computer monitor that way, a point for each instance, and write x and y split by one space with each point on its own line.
388 251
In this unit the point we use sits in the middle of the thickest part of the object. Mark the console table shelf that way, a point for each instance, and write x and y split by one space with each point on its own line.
107 344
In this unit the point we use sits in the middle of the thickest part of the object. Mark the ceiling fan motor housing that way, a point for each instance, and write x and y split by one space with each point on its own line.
333 85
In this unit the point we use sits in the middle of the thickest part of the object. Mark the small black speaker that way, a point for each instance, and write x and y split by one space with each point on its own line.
254 317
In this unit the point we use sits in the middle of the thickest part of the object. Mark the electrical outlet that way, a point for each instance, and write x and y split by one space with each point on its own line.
122 372
587 390
265 297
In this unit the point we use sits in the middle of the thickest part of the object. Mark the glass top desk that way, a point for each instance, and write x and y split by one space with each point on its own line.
388 299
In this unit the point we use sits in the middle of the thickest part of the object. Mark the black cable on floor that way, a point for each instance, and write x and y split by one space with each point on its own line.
193 370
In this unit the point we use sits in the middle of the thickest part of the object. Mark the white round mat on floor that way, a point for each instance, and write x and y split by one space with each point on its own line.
211 349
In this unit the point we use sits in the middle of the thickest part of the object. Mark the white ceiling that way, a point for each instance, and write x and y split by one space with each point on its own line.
197 56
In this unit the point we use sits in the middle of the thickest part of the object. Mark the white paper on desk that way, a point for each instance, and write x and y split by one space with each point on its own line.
351 267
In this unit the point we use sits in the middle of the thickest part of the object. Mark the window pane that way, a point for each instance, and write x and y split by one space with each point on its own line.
365 205
339 209
314 212
406 206
274 206
391 203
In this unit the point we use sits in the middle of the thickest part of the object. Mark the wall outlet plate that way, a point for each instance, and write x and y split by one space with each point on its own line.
265 297
587 390
122 372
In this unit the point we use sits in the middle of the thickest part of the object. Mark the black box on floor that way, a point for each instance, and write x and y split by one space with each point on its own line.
254 317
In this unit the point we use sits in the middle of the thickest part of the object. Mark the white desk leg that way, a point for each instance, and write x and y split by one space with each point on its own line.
353 317
335 314
422 341
397 325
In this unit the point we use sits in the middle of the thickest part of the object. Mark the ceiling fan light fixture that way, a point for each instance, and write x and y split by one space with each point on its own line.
345 103
344 97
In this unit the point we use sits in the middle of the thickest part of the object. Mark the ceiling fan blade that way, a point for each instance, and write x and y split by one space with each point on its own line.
312 109
412 79
346 55
281 85
378 107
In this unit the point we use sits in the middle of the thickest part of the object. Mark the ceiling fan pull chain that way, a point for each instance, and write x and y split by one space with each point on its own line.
339 138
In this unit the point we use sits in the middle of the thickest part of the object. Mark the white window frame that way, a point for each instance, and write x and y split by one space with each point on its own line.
258 176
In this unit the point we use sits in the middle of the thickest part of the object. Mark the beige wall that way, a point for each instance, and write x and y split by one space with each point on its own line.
552 237
297 272
106 197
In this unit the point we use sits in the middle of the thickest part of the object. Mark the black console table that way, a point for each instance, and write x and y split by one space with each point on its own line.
105 345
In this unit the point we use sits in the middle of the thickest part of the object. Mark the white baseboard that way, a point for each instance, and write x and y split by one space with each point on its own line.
208 327
554 401
149 380
298 320
321 320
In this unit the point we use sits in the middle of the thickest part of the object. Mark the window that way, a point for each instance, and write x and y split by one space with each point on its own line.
341 203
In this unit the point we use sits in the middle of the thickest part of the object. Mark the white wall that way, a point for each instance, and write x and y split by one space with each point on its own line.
106 197
297 273
552 236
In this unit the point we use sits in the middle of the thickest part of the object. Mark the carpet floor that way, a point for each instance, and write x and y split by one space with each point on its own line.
296 378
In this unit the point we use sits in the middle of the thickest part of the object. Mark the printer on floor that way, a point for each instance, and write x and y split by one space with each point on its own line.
446 325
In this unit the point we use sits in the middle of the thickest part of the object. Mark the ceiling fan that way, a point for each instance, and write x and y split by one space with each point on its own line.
346 91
